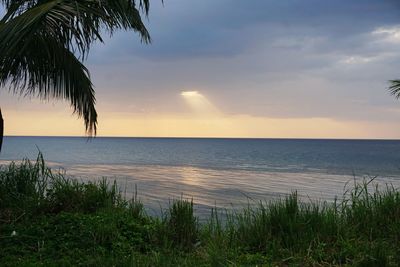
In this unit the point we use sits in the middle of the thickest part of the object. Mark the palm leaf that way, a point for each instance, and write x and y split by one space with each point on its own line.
41 42
395 88
47 70
76 24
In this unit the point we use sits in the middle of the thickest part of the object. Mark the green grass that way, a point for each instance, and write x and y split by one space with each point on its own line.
48 220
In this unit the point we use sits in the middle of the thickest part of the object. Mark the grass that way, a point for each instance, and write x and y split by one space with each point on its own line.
48 220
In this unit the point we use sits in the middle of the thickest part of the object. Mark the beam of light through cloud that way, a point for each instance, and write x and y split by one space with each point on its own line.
199 104
190 94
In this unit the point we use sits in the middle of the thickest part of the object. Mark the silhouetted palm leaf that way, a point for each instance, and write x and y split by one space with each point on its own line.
42 43
395 88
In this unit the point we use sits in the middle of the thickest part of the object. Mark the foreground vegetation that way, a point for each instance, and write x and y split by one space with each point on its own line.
48 220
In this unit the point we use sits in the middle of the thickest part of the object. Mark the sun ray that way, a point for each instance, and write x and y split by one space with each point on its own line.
199 104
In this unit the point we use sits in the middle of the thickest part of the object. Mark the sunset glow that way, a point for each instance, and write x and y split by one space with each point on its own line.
279 79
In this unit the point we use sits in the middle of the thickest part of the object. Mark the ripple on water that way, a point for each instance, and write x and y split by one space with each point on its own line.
157 185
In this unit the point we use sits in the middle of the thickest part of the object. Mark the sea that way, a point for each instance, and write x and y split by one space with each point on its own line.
214 172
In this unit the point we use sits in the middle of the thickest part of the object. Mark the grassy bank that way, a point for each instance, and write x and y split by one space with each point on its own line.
48 220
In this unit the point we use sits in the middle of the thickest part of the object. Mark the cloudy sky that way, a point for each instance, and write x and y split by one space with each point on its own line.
260 68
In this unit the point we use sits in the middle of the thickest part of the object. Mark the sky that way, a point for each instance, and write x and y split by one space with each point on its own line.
228 68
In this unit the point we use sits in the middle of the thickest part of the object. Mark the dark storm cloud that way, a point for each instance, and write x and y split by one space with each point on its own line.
225 28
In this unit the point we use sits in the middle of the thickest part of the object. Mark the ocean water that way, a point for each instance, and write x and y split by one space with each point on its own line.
216 172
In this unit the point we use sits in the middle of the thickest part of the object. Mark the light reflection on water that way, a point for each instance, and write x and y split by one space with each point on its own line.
158 185
224 173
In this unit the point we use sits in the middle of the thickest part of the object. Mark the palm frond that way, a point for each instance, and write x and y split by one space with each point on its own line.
394 88
47 70
75 24
17 7
41 42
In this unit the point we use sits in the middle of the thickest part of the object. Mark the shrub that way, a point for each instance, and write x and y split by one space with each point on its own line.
181 224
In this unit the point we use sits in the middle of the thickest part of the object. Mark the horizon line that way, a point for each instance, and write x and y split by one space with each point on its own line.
210 137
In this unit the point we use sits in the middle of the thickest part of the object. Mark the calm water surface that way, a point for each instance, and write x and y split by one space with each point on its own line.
216 172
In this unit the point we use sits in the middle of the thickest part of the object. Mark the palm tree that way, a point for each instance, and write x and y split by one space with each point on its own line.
43 44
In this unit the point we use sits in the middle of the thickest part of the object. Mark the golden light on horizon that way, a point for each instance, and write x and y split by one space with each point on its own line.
61 123
201 119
